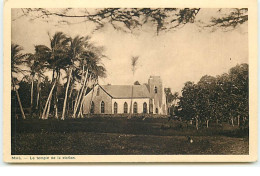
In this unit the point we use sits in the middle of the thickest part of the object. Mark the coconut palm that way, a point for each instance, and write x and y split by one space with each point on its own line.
36 64
88 60
59 59
96 71
92 61
17 59
77 46
134 61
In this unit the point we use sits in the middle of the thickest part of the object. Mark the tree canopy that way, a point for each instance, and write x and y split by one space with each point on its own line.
129 19
223 97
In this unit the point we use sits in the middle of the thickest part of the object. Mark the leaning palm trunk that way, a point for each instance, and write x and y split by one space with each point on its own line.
76 100
90 105
31 108
80 115
19 100
82 89
48 109
38 92
66 95
207 123
78 93
44 114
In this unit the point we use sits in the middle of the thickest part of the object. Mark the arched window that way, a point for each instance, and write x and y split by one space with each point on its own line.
92 110
155 89
135 107
115 108
98 91
125 107
156 110
102 107
145 108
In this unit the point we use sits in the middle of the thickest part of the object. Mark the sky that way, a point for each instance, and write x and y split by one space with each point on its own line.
178 56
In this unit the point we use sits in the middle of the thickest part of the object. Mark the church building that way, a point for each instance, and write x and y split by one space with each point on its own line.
116 99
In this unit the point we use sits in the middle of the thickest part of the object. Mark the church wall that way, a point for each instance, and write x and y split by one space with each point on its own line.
139 101
103 96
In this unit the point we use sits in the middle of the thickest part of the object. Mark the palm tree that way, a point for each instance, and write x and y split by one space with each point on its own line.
98 71
36 63
59 59
17 59
92 61
76 48
134 62
88 60
175 97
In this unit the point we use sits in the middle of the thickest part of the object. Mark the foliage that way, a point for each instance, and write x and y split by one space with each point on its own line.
220 98
137 83
64 55
128 19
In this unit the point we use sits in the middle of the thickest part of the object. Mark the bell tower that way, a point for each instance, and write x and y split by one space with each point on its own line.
157 103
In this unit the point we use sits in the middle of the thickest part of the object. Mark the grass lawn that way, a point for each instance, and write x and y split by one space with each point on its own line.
108 136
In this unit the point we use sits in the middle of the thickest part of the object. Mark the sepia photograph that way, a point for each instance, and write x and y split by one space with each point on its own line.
129 81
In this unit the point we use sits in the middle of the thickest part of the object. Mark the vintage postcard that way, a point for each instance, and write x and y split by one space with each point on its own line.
130 81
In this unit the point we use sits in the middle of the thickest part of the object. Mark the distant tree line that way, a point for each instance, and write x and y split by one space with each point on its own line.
221 98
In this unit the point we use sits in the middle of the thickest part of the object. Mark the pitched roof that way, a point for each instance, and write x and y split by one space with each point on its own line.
125 91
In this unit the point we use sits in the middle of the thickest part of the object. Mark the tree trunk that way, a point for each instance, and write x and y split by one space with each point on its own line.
131 106
80 115
197 124
207 123
66 95
47 102
40 105
56 97
69 99
31 107
78 102
90 105
48 110
238 120
19 100
38 92
55 100
232 121
79 92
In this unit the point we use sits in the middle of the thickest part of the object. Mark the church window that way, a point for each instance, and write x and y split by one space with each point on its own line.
156 110
115 108
145 108
135 107
98 91
92 110
102 107
125 107
155 89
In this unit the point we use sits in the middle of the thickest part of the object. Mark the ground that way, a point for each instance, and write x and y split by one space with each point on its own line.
120 136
